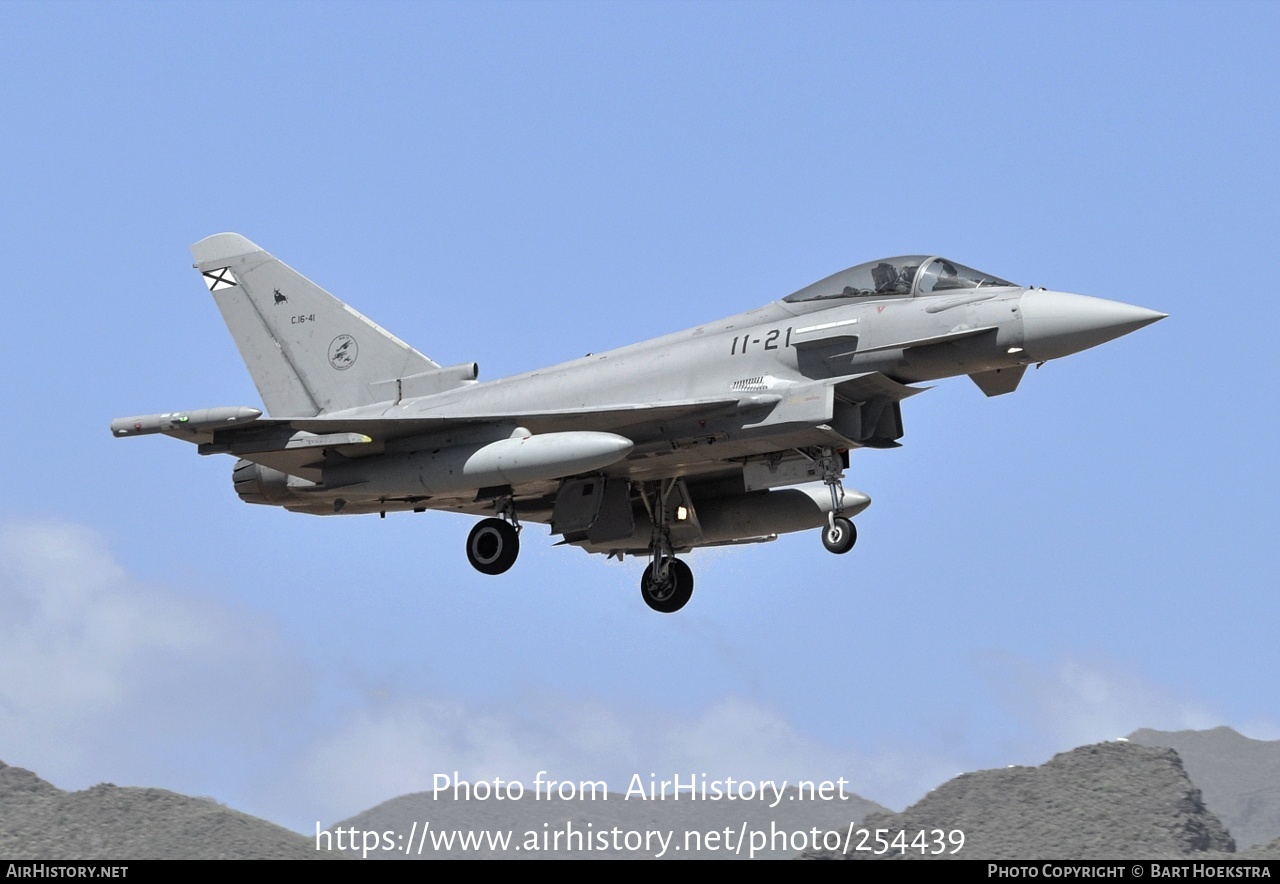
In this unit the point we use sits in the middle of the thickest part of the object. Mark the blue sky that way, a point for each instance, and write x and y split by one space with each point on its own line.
521 183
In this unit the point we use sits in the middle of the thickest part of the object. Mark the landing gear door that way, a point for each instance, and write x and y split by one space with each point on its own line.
762 473
615 519
577 503
599 506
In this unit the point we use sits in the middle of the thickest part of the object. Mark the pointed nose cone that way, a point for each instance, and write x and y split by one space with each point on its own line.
1058 324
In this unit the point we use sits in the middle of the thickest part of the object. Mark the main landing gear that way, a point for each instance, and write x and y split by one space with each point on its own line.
667 584
494 544
667 594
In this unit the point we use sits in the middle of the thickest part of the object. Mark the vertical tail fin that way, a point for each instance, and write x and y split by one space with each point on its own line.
308 352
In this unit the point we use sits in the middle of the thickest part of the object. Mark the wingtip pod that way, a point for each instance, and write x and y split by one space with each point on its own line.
187 421
222 247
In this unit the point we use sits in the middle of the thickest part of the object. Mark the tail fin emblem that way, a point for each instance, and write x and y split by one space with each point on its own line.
219 279
342 352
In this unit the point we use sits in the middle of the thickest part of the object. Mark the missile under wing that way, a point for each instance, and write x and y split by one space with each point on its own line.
731 432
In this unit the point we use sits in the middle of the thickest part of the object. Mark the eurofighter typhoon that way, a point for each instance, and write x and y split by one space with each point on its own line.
731 432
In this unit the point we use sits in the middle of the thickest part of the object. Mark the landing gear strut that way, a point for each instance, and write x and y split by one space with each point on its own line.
667 584
494 544
839 536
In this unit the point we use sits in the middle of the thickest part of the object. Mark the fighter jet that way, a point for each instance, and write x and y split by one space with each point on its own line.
730 432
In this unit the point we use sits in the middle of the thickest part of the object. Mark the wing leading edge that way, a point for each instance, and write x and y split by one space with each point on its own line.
298 445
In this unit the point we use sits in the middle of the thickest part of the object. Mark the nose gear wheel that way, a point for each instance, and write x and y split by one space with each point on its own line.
840 535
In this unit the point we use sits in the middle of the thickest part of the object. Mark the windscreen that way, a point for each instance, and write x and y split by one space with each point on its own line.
897 277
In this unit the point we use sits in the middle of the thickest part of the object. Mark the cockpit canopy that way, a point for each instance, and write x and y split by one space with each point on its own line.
910 275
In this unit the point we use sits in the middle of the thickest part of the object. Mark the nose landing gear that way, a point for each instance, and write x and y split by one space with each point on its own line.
840 535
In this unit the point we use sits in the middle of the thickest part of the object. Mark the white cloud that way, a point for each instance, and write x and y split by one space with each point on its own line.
98 669
1072 701
383 753
103 676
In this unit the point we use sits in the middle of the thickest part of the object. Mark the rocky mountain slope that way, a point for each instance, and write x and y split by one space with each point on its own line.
1239 776
40 821
1106 801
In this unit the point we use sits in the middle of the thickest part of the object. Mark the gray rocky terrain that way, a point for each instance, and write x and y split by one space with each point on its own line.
1239 777
1130 800
794 812
1107 801
40 821
1263 851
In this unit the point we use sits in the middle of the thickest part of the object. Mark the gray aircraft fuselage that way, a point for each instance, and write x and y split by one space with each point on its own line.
729 432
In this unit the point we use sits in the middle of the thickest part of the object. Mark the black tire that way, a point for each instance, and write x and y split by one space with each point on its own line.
840 536
492 546
671 596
